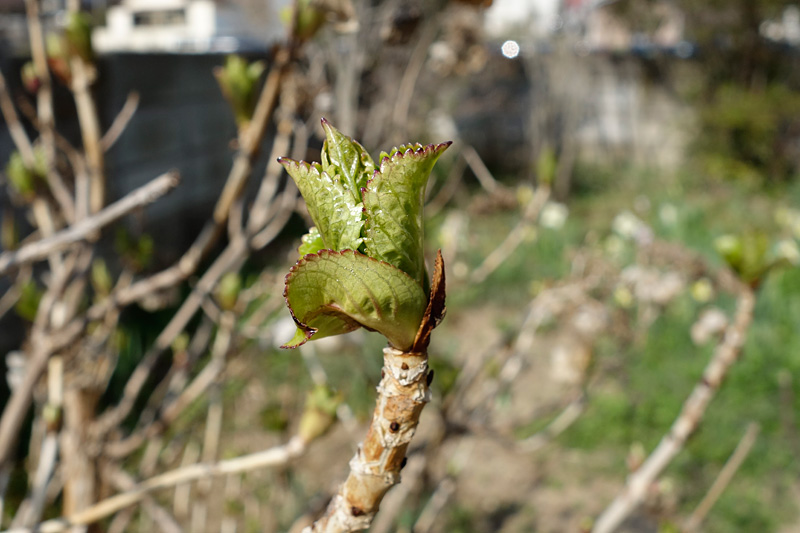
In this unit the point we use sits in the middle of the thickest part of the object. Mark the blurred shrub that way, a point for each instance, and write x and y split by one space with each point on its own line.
751 135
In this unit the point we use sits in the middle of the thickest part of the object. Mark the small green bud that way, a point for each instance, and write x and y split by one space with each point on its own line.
228 289
310 19
181 343
101 277
29 77
238 81
546 166
78 35
319 414
51 414
21 178
28 303
9 235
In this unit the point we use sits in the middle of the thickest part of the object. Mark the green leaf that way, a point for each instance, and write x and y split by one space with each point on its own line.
311 242
346 159
334 211
336 292
393 201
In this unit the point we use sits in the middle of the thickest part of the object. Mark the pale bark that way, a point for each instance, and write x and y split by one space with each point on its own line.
402 394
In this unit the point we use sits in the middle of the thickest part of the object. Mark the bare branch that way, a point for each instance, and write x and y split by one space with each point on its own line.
44 108
725 354
724 478
515 236
276 456
15 128
480 170
120 122
17 406
84 228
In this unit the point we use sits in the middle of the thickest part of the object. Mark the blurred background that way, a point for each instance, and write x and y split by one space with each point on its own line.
624 176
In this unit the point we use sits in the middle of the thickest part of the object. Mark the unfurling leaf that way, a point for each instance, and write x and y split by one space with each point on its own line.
746 254
238 81
336 292
311 242
346 159
393 201
366 266
332 208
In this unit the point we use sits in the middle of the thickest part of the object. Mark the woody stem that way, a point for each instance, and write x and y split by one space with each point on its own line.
375 468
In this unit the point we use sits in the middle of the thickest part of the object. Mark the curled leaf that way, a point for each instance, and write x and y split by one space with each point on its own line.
436 309
330 293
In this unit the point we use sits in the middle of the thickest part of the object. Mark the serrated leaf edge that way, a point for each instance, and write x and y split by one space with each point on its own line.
308 330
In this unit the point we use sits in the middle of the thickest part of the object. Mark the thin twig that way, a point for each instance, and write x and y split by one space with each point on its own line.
14 126
480 170
82 76
44 109
34 504
724 478
166 522
279 455
450 186
17 406
514 237
559 424
12 295
243 163
230 259
120 122
725 354
434 506
5 476
405 90
84 228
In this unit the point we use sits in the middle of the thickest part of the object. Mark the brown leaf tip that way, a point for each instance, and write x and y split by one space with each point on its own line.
436 309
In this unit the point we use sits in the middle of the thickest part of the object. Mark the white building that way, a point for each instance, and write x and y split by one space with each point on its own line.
189 26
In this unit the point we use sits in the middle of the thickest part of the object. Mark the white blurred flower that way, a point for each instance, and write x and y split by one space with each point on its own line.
668 214
651 285
554 215
787 249
627 225
711 323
